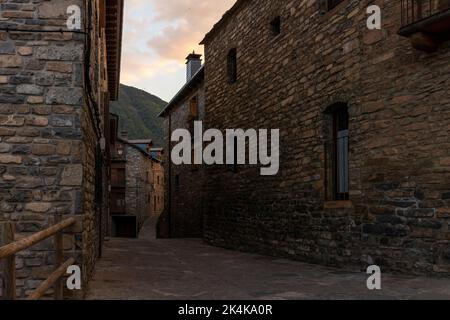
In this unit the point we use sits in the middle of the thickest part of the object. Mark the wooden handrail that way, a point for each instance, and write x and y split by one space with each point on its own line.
25 243
51 280
11 248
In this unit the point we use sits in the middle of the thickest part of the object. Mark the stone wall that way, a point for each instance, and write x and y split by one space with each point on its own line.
158 189
399 211
48 132
138 185
94 187
183 216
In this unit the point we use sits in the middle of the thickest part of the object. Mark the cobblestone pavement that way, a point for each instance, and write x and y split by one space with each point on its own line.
189 269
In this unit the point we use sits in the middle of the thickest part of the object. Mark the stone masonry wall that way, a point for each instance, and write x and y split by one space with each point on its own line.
158 179
94 210
47 135
138 185
186 216
399 211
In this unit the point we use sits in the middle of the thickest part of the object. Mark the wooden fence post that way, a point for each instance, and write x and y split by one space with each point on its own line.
9 263
58 241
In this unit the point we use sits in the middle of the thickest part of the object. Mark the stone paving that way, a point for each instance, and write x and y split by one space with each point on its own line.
187 269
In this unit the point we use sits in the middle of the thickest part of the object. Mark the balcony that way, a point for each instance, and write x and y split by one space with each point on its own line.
426 23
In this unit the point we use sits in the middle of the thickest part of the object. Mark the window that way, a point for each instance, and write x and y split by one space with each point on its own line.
331 4
337 154
193 114
193 108
275 26
118 177
232 66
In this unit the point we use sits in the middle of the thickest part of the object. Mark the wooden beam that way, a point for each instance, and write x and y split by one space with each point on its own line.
58 242
54 277
102 13
9 263
425 42
25 243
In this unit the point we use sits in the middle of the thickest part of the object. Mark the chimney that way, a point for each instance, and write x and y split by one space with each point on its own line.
194 63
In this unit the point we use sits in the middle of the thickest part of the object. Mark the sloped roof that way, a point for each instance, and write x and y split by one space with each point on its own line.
197 79
224 20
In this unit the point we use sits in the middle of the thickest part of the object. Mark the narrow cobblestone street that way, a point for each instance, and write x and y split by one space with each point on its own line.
189 269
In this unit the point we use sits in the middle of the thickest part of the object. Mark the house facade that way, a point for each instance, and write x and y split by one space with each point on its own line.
55 88
132 183
364 119
183 210
158 184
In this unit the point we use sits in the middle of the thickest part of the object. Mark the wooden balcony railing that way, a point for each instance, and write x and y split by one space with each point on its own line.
414 11
10 248
425 22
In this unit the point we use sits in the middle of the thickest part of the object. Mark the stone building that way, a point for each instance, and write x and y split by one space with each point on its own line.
158 182
55 86
132 183
364 122
182 215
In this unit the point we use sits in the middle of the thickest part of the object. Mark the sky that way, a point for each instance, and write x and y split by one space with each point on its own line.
158 36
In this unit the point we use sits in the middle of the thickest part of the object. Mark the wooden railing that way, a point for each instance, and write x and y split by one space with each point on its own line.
10 248
413 11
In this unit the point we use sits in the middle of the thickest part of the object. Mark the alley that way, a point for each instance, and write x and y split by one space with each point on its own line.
188 269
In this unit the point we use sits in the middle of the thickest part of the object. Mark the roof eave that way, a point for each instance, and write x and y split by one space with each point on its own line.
185 90
223 20
114 31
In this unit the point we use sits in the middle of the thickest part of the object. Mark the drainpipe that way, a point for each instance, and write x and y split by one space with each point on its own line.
170 177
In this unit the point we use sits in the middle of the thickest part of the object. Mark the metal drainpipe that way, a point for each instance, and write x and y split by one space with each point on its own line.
170 177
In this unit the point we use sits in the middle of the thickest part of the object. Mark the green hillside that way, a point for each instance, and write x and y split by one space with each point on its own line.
138 111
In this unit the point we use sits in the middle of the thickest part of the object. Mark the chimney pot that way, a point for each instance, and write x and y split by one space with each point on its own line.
194 63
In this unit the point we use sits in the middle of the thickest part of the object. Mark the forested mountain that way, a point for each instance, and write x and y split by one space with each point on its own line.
138 111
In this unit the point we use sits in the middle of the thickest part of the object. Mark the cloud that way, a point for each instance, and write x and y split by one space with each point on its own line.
189 21
158 35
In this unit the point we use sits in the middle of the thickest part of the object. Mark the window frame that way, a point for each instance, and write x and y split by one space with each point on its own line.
337 135
275 26
232 67
336 130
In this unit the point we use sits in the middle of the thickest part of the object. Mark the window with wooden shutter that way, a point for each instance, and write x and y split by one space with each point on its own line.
337 154
193 108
